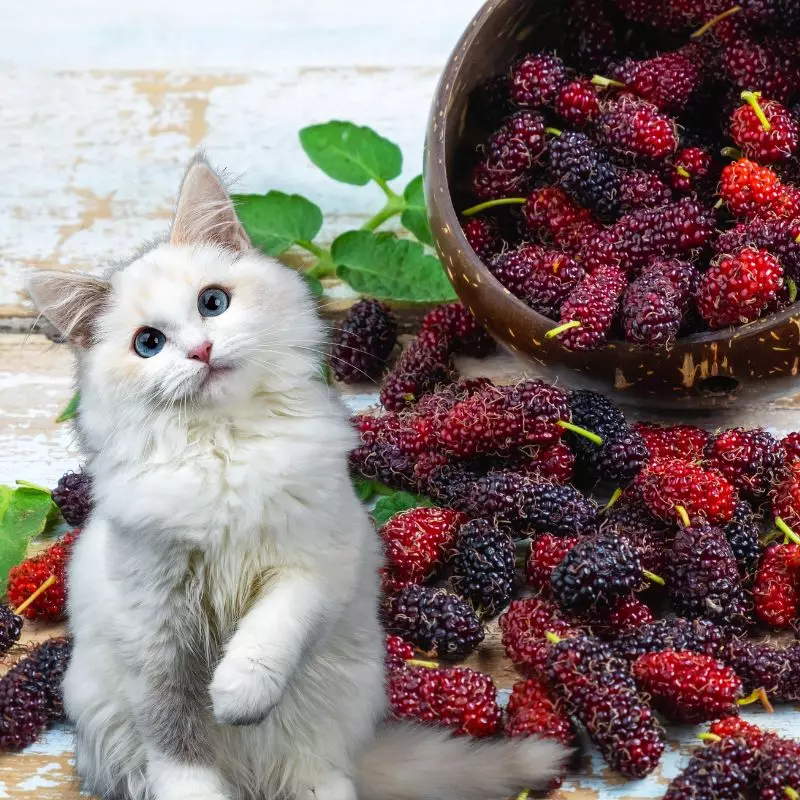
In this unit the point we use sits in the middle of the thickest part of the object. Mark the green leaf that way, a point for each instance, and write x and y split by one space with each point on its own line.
275 221
415 217
71 409
314 284
351 154
23 515
383 266
393 504
364 489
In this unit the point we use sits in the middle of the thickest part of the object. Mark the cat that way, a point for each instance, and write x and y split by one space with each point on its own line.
224 594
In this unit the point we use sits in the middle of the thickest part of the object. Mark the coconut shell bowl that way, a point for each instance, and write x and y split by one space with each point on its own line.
747 364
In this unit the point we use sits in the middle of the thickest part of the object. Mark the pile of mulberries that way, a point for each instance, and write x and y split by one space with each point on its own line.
686 153
691 523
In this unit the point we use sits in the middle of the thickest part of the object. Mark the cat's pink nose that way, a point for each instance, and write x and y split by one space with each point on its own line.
201 352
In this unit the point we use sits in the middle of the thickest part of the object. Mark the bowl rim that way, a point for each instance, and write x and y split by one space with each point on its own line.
440 190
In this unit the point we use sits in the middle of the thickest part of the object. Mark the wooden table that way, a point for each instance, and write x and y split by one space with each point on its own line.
103 103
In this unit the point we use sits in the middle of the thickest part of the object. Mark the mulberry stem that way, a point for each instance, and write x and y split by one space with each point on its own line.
503 201
524 794
683 172
709 737
791 793
712 22
599 80
614 497
752 99
43 588
731 152
759 695
553 131
592 437
415 662
551 637
792 286
557 331
653 578
684 515
791 536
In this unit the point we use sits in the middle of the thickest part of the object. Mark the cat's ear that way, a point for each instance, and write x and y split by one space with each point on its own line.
71 301
205 213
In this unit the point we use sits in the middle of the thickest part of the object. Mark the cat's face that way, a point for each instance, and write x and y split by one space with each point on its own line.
201 320
203 325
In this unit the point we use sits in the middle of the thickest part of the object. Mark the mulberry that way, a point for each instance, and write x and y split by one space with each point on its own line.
482 565
434 620
363 343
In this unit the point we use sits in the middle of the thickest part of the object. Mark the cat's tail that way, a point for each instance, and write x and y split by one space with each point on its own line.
408 762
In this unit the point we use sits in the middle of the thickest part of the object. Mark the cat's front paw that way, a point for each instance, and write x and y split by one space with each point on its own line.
243 691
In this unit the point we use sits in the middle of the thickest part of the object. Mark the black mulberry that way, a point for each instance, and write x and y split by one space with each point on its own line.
73 496
434 620
483 565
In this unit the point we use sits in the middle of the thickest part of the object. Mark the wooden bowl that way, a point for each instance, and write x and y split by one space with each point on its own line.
755 362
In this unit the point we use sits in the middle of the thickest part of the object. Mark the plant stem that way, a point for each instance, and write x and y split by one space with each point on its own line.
387 190
394 206
324 266
43 588
614 497
683 172
653 578
599 80
557 331
318 251
709 737
791 536
712 22
684 515
590 435
752 99
504 201
759 695
731 152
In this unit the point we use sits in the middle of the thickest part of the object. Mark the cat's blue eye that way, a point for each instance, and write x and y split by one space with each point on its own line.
148 342
212 302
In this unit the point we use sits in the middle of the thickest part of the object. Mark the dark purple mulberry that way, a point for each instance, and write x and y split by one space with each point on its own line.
363 343
703 578
724 770
595 573
10 628
434 620
763 666
650 313
696 636
73 496
422 366
483 566
597 688
744 537
585 173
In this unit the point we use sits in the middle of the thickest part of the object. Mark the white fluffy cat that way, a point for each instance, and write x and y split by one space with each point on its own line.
223 597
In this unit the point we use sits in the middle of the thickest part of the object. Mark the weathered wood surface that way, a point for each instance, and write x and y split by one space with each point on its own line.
102 106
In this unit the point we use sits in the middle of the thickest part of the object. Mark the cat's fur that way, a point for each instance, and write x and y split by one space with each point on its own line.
223 596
